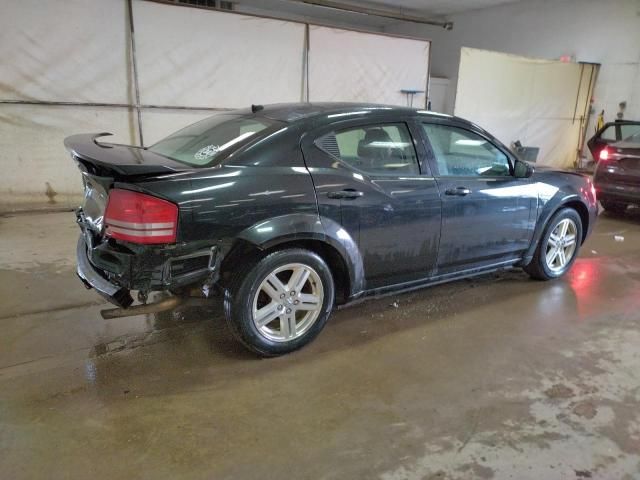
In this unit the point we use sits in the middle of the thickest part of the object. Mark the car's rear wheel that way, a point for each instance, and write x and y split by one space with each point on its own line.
558 247
281 302
614 207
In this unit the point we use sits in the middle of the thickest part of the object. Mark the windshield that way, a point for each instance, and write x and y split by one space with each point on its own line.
202 143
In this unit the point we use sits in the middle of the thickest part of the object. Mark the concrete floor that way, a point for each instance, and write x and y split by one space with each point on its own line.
498 377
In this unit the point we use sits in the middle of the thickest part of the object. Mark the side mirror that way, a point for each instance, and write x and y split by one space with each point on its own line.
523 169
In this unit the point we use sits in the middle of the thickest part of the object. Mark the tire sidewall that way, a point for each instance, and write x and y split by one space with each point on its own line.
557 218
242 305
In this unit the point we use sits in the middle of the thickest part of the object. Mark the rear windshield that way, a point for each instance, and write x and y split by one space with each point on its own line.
202 143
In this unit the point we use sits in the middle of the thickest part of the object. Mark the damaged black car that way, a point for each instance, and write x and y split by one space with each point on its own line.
289 210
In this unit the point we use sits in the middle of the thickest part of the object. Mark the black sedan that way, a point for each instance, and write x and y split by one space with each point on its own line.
616 146
288 210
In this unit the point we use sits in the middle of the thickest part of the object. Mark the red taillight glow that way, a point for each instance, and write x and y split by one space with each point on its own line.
604 154
140 218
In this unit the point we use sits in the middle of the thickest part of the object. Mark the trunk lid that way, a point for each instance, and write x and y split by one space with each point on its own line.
94 202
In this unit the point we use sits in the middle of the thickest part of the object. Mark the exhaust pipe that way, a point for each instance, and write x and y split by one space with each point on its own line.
161 306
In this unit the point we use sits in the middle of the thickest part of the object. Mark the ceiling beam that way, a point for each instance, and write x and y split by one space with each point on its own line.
376 12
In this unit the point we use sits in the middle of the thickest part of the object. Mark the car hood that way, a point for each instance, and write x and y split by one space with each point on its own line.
550 169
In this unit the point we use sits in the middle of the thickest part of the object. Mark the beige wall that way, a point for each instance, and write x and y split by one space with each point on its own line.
606 32
79 51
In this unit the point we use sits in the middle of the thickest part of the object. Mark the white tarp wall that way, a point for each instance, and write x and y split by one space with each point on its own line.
50 51
539 102
66 67
191 57
346 65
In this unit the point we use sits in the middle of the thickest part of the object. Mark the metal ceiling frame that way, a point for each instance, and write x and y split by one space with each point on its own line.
374 12
137 107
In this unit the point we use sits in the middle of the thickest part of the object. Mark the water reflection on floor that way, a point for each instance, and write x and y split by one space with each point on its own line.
482 378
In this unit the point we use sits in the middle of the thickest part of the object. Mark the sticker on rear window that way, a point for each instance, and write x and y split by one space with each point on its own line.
207 152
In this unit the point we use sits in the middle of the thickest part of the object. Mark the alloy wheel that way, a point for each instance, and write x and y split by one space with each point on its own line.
288 302
562 244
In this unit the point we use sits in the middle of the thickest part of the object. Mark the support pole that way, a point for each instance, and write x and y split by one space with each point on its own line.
134 65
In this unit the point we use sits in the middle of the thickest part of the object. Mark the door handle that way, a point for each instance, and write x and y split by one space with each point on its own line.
347 193
458 191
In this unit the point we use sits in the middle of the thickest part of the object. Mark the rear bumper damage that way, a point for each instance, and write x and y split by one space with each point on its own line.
92 278
120 296
114 269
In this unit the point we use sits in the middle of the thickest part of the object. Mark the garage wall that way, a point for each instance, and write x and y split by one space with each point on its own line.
66 66
539 102
40 61
193 57
345 65
606 32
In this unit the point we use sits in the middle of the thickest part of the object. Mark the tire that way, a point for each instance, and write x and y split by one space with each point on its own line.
540 268
614 207
294 317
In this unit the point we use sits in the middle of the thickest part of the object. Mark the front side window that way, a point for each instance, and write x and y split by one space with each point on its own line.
204 142
374 149
459 152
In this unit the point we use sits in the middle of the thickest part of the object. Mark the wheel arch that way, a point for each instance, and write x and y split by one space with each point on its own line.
582 210
322 236
574 202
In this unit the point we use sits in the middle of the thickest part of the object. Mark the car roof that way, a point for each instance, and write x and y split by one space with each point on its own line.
295 112
311 115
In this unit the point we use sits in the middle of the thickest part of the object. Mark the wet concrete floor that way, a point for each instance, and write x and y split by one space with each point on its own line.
496 377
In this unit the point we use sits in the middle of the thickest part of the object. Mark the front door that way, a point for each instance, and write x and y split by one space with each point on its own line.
487 213
368 178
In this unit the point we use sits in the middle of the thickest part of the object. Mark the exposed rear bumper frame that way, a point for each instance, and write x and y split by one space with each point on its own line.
93 279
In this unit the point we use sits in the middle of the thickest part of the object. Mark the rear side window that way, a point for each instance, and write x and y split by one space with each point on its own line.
459 152
622 132
204 142
609 133
630 133
385 149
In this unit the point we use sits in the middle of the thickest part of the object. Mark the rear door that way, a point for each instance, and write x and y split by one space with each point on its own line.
368 178
487 213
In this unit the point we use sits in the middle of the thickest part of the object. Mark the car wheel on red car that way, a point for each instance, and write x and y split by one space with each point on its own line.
558 247
281 302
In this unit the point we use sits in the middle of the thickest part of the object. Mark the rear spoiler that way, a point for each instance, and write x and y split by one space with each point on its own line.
122 160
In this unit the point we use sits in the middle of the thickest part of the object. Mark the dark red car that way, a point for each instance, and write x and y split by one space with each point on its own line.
616 148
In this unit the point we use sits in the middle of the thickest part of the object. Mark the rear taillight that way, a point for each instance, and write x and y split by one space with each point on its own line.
140 218
604 154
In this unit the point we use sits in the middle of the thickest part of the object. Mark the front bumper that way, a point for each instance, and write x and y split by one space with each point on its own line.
92 278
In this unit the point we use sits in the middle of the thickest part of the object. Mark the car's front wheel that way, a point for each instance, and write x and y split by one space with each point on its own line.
558 247
281 302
